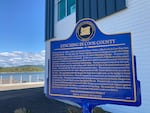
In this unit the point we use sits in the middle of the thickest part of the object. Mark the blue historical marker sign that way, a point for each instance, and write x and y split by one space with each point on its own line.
92 67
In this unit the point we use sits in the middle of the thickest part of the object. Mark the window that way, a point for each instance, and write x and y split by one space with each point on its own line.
61 9
71 6
65 8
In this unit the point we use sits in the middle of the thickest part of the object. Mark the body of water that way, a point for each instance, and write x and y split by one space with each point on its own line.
21 77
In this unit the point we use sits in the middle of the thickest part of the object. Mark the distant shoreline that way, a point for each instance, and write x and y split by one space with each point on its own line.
25 68
22 72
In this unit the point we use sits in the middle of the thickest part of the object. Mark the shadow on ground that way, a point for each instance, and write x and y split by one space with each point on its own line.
32 100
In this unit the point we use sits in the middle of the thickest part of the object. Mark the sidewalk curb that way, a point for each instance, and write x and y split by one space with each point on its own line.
6 87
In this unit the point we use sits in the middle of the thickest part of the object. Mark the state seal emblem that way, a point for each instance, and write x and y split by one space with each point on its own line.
85 31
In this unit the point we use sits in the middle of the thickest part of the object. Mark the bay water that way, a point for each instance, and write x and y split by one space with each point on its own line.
21 77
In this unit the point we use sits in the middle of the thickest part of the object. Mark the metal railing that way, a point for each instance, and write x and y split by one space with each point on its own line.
21 77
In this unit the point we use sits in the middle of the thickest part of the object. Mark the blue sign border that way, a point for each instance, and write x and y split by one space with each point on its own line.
96 101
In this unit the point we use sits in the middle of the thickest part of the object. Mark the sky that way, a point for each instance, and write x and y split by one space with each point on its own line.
22 24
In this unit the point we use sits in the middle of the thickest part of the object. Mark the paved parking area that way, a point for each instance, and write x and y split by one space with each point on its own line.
32 99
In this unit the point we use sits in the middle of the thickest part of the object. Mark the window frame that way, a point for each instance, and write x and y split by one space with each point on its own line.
67 13
59 9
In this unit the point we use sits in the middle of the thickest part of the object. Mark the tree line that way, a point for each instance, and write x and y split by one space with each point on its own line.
22 69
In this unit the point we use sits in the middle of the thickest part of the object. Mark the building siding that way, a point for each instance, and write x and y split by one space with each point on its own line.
120 4
49 25
101 8
110 6
94 10
135 19
97 9
79 10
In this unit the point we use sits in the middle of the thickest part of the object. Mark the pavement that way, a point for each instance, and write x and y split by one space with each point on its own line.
16 99
7 87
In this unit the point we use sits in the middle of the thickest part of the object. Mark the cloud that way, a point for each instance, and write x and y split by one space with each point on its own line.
17 58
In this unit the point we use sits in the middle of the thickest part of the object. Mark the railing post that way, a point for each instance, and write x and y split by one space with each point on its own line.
37 78
30 78
1 79
21 78
11 79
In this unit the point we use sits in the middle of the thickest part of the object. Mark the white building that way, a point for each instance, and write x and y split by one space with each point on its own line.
112 17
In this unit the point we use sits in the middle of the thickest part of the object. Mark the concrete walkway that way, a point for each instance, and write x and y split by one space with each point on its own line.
7 87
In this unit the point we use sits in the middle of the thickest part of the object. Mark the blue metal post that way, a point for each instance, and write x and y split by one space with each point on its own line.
86 108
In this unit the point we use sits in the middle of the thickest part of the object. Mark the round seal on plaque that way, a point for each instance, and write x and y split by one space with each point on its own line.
85 31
